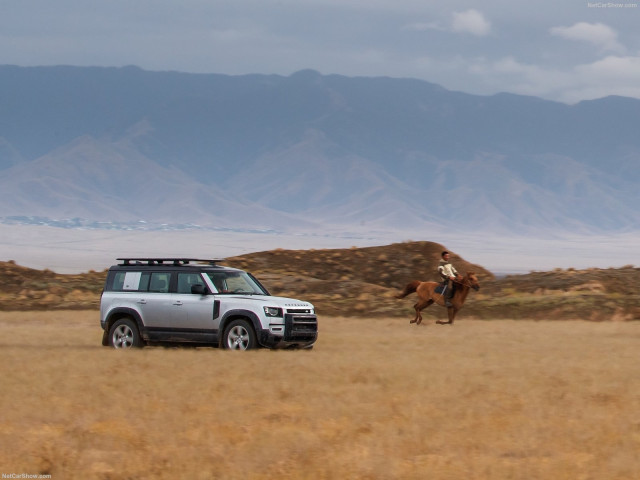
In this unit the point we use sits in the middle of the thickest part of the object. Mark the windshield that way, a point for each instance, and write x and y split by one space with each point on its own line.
235 282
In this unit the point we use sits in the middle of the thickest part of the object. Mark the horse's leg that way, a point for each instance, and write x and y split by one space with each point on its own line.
419 307
418 318
415 319
427 303
451 314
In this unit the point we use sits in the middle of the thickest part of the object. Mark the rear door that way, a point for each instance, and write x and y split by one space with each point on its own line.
156 304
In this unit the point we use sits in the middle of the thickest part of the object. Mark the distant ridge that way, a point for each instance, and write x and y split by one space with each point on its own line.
310 150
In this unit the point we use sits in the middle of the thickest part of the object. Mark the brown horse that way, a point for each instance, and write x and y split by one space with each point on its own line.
427 295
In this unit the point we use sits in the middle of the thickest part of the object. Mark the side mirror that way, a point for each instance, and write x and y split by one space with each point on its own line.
198 289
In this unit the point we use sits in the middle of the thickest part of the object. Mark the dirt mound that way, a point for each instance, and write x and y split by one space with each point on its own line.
351 281
390 266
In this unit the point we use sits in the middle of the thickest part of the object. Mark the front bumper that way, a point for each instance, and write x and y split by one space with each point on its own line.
300 330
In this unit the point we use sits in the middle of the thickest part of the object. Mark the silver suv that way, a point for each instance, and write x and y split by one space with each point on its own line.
167 300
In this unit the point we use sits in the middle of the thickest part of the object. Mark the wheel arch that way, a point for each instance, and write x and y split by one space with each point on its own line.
241 314
122 312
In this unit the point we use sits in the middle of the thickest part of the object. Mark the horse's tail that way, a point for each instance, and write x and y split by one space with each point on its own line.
409 289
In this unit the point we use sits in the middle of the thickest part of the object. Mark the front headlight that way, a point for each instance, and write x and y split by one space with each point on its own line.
273 311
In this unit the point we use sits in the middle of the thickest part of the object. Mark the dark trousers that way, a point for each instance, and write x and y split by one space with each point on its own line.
449 288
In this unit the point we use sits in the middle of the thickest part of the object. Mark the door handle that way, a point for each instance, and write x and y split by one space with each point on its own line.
142 301
178 303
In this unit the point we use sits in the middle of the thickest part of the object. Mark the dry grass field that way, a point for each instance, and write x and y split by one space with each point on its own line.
375 399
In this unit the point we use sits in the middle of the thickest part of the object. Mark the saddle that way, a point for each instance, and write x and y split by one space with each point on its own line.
440 288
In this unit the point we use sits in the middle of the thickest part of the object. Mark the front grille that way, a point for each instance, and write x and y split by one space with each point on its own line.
300 327
298 310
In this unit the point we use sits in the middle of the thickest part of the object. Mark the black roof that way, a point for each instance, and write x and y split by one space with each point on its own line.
166 261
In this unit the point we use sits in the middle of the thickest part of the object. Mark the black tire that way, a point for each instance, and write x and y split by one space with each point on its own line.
124 334
239 335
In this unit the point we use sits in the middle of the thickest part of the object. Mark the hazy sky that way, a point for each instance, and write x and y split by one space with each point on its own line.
565 50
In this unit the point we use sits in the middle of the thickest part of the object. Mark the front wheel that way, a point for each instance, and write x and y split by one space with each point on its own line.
239 335
124 334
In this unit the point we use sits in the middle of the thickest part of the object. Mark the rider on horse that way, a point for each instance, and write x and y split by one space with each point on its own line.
448 273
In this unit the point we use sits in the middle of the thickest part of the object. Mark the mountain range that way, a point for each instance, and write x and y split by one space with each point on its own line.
308 151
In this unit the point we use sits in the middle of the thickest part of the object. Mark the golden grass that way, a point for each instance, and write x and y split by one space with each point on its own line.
375 399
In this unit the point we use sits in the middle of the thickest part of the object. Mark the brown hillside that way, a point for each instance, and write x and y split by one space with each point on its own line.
390 266
591 294
352 281
23 288
363 282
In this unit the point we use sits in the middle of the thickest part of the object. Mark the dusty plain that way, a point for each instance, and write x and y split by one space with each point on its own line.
375 399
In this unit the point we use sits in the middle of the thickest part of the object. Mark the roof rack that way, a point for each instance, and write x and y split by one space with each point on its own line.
165 261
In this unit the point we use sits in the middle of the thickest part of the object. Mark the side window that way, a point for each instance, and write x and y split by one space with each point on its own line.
117 282
159 282
130 282
144 282
187 280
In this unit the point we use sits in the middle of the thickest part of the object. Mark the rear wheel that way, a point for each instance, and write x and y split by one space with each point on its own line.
239 335
124 334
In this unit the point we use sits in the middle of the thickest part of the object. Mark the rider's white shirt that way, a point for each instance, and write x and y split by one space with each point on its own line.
447 270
